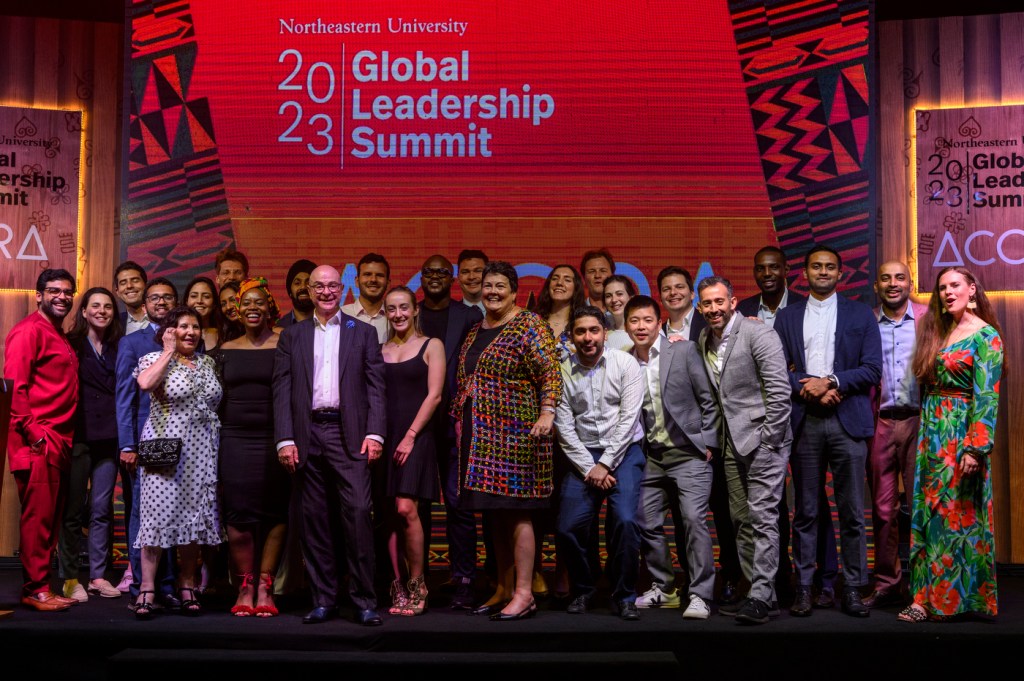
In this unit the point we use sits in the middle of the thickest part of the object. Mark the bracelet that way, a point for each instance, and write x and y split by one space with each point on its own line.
414 433
550 410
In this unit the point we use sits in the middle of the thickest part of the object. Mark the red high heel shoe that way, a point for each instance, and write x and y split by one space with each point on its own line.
267 610
242 610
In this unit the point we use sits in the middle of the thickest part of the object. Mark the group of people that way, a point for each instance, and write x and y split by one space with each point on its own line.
334 427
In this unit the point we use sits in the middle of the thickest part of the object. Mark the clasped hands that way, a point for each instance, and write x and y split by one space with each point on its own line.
819 390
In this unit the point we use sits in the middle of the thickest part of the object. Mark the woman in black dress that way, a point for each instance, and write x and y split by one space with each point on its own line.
201 296
254 487
415 373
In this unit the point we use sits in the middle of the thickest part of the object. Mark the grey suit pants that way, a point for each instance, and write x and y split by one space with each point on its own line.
688 478
756 484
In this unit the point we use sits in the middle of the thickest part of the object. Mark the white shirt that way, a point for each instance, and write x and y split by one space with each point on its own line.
378 321
600 409
326 386
654 416
684 330
765 314
132 324
820 335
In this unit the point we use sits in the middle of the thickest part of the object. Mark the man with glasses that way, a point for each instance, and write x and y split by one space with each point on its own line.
44 370
450 323
373 276
329 421
132 406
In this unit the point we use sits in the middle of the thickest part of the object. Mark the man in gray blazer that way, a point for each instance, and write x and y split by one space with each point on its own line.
680 417
747 367
329 422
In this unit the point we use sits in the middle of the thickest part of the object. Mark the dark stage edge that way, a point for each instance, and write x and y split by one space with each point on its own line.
102 640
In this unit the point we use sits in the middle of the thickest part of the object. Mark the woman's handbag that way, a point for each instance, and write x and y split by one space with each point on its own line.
163 451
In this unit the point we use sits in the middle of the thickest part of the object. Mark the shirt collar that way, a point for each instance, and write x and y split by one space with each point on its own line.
907 314
579 368
829 302
333 321
783 301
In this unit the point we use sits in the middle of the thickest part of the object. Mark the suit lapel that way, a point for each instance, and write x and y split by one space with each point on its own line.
664 365
306 343
451 334
734 335
345 344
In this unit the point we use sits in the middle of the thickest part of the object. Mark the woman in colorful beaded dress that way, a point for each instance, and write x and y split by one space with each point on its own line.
509 383
958 360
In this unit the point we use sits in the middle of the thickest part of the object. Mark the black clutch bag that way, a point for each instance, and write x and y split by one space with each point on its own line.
164 451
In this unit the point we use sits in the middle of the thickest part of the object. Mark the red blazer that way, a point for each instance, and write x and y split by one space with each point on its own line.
44 369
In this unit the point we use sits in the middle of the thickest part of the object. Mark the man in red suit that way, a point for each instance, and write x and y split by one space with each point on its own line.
44 370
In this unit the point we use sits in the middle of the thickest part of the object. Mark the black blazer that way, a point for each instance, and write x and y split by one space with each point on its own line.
361 376
749 307
461 318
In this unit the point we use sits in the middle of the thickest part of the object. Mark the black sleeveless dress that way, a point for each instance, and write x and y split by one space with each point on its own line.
254 486
407 388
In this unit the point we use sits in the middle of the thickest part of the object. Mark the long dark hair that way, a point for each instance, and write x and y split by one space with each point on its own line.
215 319
229 330
80 332
936 326
544 301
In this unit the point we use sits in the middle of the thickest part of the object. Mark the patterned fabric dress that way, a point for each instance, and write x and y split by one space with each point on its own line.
952 552
178 504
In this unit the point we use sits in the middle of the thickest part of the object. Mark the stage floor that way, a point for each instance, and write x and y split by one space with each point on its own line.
102 640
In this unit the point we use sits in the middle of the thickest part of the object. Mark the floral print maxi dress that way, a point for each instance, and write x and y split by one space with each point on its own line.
952 540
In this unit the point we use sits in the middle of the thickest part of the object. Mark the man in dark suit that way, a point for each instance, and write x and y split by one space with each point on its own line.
329 421
130 286
771 275
834 356
132 405
450 323
681 435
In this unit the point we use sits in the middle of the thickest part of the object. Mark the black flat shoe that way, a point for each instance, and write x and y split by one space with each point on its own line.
528 612
487 610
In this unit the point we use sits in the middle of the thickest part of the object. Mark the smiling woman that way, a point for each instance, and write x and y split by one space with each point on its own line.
201 295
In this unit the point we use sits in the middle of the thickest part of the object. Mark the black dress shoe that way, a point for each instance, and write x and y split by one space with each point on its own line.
487 610
801 602
578 605
369 618
826 598
879 598
320 614
526 613
626 610
462 596
753 611
731 609
852 604
169 601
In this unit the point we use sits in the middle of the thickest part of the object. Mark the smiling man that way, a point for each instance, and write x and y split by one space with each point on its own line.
599 428
373 276
834 359
129 285
43 368
298 292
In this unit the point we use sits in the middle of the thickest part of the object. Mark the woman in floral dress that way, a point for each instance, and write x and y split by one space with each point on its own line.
958 360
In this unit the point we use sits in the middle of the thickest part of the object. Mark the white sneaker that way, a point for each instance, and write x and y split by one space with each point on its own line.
656 598
101 587
72 589
697 609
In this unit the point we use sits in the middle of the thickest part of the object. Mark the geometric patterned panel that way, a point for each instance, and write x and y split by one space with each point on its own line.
175 216
804 65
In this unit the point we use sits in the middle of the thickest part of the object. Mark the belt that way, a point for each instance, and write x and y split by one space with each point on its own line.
898 413
325 415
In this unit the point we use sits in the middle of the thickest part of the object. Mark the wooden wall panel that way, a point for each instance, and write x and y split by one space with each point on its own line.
956 61
74 65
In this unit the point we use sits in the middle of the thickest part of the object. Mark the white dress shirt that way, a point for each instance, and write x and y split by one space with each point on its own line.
765 314
326 386
684 330
654 416
132 324
600 409
820 335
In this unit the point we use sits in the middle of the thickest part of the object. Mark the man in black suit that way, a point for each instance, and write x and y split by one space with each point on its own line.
329 421
440 319
770 275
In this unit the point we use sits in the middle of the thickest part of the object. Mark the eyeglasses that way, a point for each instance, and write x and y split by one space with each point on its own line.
156 298
438 272
319 287
55 291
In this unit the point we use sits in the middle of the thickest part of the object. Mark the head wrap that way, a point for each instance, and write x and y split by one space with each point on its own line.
261 284
306 266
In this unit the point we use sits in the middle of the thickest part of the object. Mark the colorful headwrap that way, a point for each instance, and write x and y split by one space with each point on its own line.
260 283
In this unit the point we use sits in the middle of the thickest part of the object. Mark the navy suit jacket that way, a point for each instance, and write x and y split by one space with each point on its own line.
857 364
749 307
461 318
132 403
360 374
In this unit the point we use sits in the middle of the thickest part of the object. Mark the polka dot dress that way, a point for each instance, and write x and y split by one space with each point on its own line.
179 503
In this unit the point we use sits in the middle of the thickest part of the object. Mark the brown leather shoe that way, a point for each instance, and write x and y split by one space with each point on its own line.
4 614
63 599
46 602
879 598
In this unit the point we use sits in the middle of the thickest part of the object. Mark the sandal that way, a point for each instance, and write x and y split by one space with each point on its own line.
189 606
267 610
417 598
144 610
399 598
912 614
241 609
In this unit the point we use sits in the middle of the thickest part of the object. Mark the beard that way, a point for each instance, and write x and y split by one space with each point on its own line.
303 304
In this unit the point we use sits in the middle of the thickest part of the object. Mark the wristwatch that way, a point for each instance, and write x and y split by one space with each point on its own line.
833 382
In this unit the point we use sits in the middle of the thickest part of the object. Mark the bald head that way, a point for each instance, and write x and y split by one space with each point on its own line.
892 285
325 288
436 279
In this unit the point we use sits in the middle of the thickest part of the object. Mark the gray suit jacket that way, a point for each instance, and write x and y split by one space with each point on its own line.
688 403
753 390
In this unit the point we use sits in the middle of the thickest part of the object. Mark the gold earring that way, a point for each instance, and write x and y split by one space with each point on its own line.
972 304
